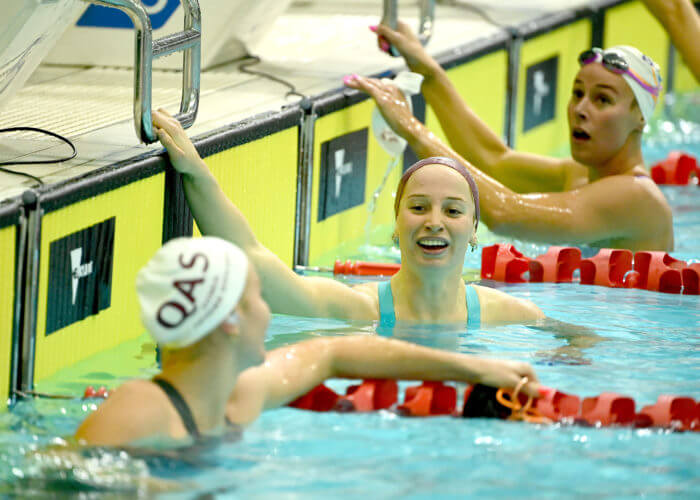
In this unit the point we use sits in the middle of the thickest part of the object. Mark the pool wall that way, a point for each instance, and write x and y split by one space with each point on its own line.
68 262
12 237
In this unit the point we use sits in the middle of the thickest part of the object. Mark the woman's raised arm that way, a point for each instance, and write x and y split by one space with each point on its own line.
285 291
470 136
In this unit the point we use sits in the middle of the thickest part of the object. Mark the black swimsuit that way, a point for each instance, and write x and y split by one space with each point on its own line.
180 406
178 402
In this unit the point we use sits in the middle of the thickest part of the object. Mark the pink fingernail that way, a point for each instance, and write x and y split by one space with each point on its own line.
347 79
354 76
373 28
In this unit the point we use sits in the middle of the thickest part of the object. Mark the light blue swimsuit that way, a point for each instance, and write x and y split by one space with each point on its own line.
387 317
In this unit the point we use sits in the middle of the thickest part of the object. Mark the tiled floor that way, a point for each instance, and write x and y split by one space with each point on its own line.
312 46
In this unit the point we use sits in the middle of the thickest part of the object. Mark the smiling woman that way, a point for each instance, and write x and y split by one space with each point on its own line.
602 196
436 217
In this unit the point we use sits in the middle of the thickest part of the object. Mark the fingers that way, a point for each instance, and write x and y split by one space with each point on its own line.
369 86
167 141
158 118
404 29
163 119
387 37
515 374
527 371
374 86
532 389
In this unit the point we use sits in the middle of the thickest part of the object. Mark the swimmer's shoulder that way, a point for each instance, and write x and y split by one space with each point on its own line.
137 409
646 207
500 307
369 291
575 175
641 213
635 189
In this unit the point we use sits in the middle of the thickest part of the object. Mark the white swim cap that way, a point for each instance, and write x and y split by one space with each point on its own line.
644 68
189 287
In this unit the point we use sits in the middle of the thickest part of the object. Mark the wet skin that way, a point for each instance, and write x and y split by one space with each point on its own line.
605 123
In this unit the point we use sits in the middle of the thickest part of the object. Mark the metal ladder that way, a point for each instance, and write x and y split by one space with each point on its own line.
147 49
426 20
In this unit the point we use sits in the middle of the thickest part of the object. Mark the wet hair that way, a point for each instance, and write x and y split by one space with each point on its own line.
448 162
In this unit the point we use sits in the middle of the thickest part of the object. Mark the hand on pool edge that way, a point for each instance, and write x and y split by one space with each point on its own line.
183 155
391 103
408 45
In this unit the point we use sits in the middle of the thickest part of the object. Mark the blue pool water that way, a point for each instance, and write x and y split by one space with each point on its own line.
649 345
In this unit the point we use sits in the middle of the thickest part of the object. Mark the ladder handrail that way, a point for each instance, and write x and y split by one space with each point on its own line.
146 49
426 20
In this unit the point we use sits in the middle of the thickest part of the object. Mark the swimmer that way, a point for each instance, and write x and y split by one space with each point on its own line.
200 301
436 210
602 197
682 22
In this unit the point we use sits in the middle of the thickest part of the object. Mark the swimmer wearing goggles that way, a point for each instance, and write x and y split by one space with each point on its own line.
602 196
615 62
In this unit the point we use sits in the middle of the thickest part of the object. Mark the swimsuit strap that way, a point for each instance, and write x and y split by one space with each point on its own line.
180 406
387 317
473 307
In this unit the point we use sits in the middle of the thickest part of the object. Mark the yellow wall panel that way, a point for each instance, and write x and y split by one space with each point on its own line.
349 225
482 83
632 24
567 43
260 178
7 296
138 208
683 79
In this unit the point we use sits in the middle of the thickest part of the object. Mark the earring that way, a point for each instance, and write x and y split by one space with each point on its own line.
232 319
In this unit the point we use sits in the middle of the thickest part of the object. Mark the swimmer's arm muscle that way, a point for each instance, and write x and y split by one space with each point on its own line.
472 138
285 291
617 207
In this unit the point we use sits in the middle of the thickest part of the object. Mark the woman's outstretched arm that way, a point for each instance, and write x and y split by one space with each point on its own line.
285 291
290 372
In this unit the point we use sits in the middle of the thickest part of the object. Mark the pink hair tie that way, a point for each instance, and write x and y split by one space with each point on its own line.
448 162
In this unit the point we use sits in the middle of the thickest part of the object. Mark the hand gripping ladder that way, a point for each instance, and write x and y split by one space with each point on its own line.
147 49
390 18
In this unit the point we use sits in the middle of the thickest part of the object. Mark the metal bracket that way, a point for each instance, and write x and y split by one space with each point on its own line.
27 345
426 20
511 120
17 321
147 49
302 230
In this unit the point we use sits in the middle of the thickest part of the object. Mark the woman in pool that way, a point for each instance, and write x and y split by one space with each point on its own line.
436 212
200 301
602 197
